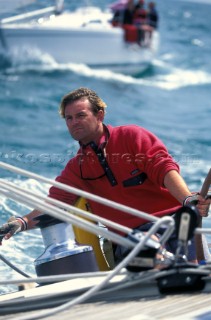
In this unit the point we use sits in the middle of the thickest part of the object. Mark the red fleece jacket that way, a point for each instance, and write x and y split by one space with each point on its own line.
139 162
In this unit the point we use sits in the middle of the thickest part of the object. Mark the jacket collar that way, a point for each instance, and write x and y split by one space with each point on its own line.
102 143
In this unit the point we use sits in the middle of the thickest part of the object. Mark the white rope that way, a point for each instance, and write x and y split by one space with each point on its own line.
67 217
72 209
56 278
93 290
80 193
26 196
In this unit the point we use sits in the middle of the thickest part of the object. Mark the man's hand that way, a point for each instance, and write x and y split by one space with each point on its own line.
13 226
202 204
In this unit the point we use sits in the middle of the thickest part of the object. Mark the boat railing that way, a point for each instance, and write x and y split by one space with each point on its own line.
28 15
190 277
71 214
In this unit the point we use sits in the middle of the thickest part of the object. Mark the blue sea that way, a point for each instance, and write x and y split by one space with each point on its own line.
172 98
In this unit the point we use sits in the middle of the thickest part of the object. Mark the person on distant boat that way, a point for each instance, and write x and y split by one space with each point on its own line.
140 13
131 30
128 13
127 164
152 15
124 16
150 25
140 21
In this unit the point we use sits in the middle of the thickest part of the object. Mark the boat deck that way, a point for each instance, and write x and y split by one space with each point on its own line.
138 302
170 307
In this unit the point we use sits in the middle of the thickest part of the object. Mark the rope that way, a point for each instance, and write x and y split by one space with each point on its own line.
11 265
88 294
80 193
69 218
11 187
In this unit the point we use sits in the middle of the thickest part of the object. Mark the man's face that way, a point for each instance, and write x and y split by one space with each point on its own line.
82 124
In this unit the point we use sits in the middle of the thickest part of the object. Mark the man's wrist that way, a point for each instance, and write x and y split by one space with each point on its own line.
190 199
24 225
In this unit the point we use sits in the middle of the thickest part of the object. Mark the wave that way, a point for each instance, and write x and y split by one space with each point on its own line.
161 74
23 248
179 78
28 184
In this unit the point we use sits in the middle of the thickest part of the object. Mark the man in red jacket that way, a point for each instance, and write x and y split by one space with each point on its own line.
126 164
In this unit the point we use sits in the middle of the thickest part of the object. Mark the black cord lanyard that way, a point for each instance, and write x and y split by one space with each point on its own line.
104 164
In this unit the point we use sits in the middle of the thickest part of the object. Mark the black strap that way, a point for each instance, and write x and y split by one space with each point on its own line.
104 164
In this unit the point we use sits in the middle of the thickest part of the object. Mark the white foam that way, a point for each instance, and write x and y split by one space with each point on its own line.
170 78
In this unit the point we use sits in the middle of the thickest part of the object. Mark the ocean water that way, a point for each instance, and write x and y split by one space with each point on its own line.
171 98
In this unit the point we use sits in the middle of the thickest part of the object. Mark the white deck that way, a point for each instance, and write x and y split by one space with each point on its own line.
135 303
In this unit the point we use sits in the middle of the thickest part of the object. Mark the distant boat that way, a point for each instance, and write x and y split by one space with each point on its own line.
85 36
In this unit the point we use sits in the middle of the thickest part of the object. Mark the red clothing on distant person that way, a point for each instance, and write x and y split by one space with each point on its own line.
139 162
140 14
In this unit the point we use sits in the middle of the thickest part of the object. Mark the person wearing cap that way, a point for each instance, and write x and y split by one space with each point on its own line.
126 164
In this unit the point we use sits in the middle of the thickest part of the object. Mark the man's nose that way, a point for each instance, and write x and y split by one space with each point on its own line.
75 121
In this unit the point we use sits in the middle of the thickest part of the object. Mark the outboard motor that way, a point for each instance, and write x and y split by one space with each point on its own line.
62 255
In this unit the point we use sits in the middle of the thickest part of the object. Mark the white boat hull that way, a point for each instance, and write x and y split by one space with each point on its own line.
98 45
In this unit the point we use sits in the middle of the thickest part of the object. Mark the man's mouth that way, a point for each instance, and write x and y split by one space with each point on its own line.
75 130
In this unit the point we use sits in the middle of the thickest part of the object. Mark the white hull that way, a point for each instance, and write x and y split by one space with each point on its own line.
73 38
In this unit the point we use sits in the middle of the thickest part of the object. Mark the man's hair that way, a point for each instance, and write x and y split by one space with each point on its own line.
81 94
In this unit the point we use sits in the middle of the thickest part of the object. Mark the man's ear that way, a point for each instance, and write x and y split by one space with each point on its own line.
100 115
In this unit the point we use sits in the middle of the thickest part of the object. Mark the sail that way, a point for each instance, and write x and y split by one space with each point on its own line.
10 5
